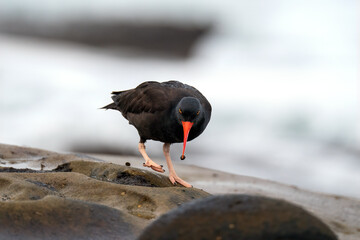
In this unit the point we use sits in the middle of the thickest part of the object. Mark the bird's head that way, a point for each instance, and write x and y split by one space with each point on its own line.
188 111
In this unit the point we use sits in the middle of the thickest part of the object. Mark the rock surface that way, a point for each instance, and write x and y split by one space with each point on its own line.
151 37
82 189
59 218
116 173
37 159
340 213
86 182
229 217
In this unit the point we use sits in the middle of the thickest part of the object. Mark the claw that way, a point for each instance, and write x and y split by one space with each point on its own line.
174 179
153 166
158 169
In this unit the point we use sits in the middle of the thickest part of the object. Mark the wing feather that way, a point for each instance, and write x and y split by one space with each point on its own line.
153 96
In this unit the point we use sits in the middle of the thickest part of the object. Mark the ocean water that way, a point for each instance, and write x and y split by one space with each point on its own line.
283 80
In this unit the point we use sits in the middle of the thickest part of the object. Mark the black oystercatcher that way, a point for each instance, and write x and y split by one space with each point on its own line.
170 112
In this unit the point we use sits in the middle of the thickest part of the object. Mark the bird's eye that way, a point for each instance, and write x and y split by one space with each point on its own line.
198 112
180 111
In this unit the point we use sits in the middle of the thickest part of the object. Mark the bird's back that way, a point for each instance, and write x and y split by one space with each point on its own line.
151 103
153 96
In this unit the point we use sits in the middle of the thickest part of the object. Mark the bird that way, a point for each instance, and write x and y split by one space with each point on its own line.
169 112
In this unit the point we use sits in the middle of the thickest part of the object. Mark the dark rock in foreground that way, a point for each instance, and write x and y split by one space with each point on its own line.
60 218
240 217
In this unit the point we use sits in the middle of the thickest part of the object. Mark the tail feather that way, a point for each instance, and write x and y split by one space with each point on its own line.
116 95
110 106
118 92
115 98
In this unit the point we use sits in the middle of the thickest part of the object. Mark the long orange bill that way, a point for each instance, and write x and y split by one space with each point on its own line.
186 126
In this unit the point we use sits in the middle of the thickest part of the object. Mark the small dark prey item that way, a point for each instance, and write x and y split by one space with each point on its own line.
169 112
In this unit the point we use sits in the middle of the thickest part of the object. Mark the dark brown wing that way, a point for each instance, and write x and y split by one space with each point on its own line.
153 96
147 97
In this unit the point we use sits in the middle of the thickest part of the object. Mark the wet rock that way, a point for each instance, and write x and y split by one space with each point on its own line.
58 218
142 202
81 189
36 159
116 173
238 217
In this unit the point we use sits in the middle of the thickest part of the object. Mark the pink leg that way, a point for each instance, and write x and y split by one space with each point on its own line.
148 162
172 174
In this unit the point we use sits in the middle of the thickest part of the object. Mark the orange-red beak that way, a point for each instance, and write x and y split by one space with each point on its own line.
186 126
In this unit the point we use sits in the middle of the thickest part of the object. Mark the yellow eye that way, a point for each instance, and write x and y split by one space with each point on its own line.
180 111
198 112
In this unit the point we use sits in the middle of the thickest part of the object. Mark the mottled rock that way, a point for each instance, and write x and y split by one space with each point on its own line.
229 217
117 173
139 201
36 159
65 203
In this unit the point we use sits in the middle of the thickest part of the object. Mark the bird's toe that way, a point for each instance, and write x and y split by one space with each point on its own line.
155 168
158 169
172 180
175 180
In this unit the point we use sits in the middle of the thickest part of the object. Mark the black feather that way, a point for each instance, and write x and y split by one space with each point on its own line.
150 108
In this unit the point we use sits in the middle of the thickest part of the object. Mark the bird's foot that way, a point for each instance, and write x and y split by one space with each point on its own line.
151 164
175 179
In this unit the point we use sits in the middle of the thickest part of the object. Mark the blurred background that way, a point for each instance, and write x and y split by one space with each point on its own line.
282 77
